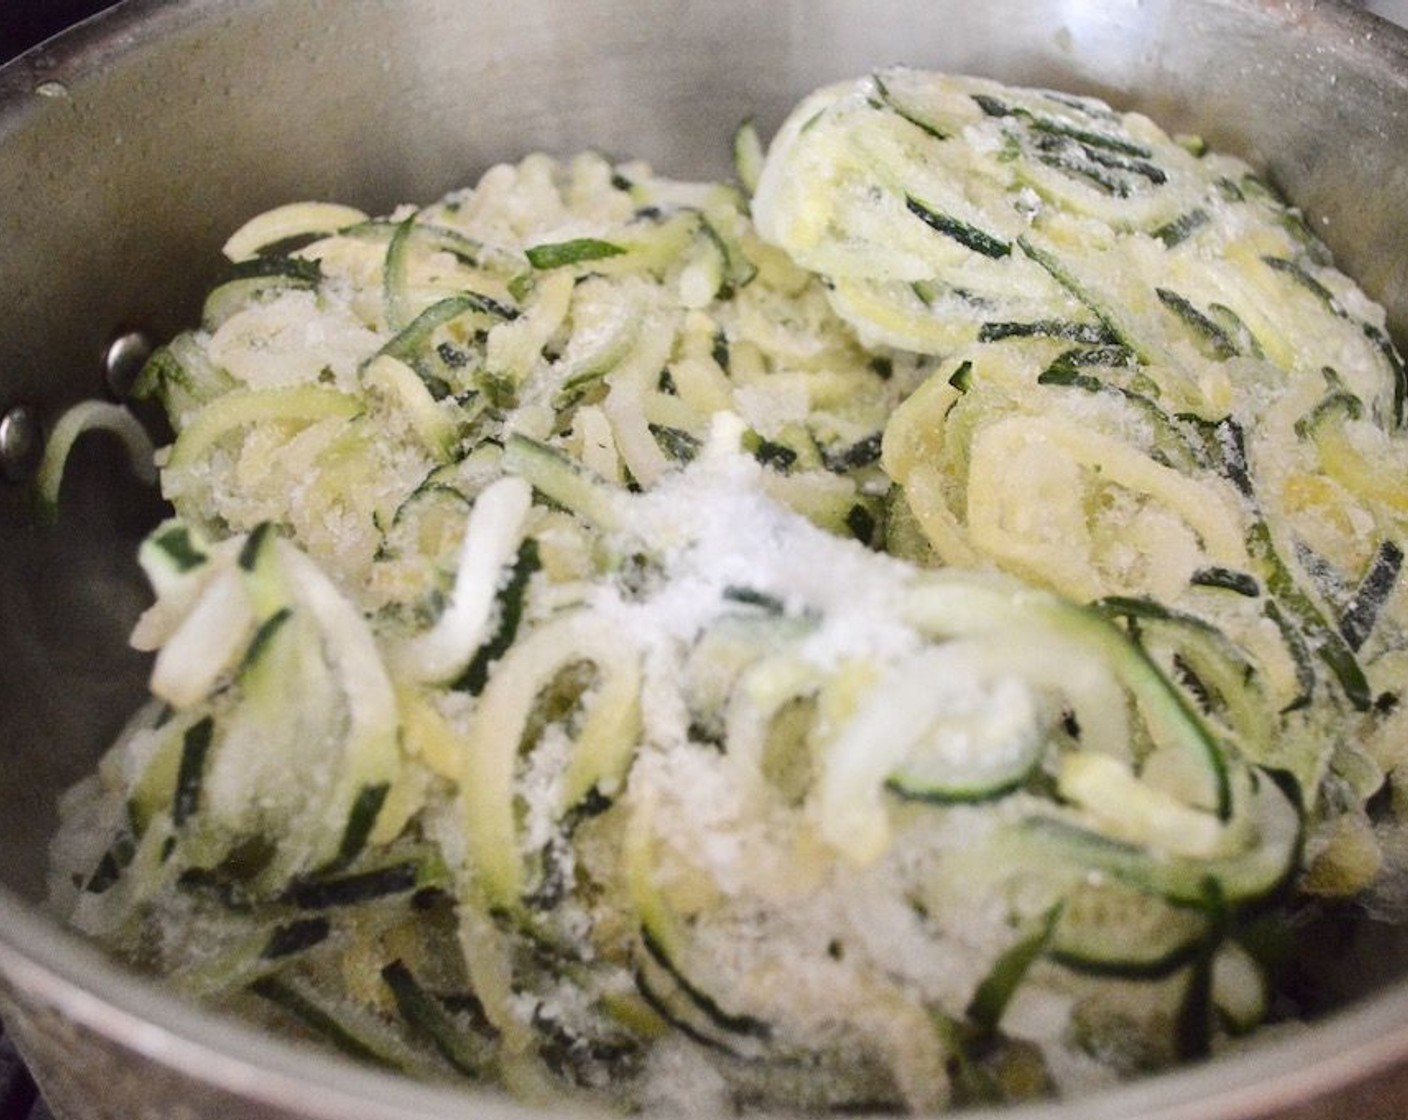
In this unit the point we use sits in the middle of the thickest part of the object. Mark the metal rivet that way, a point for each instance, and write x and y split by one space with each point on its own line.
126 354
21 443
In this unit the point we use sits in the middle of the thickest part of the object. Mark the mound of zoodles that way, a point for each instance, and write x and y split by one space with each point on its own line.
911 627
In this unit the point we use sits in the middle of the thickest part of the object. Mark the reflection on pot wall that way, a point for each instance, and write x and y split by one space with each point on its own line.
1396 10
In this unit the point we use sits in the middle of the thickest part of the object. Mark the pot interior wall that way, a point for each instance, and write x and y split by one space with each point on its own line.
130 149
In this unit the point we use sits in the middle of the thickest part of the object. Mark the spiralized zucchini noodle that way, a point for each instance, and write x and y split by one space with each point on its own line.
911 627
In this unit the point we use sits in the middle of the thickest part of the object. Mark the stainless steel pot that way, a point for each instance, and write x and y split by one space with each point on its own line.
129 147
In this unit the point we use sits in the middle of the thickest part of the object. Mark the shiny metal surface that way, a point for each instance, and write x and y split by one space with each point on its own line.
123 360
129 148
21 443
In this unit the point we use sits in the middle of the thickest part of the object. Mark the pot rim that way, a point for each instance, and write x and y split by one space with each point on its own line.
49 967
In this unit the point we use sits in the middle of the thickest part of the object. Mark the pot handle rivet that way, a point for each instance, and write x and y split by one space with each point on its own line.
21 443
126 354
